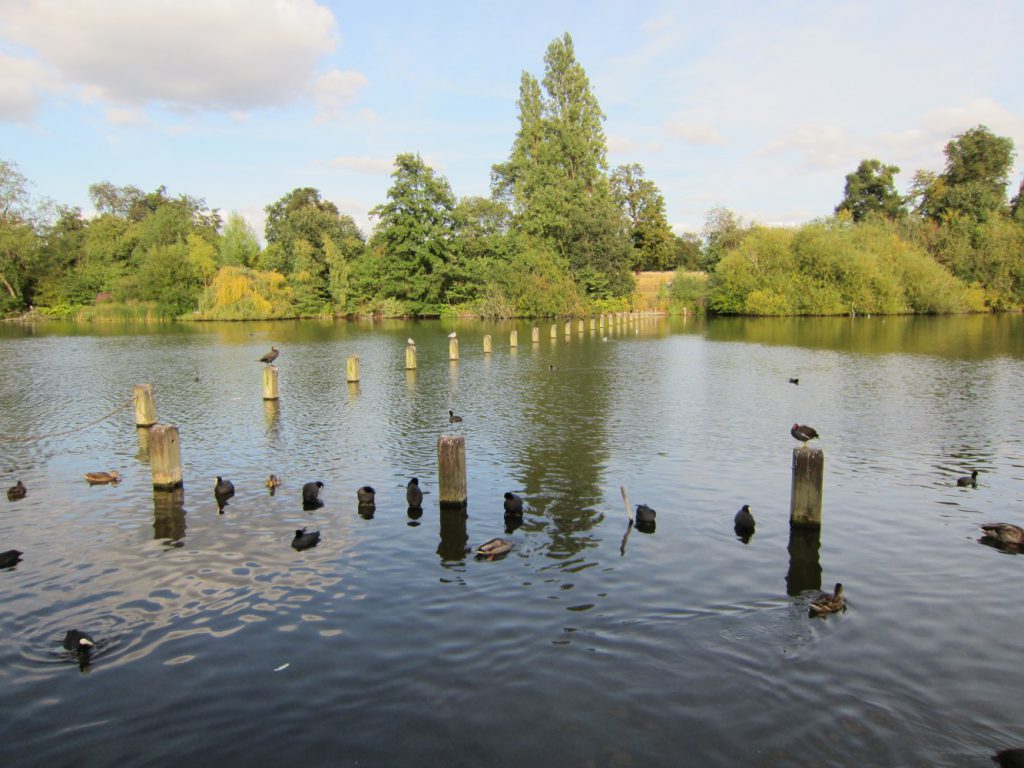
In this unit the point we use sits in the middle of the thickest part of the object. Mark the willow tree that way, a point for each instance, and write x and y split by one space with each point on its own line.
555 179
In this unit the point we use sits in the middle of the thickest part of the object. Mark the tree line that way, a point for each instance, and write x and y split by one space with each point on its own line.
560 234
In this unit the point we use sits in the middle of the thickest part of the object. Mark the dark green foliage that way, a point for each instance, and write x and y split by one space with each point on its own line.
555 178
412 249
871 190
644 207
974 181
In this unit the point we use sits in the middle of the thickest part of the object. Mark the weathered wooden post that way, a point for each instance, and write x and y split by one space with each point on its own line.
805 497
165 456
487 343
535 335
270 390
410 357
593 324
145 411
352 369
600 321
554 331
453 349
579 327
568 327
451 471
513 339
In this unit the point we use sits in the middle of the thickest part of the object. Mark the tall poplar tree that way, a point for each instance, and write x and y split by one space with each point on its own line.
555 179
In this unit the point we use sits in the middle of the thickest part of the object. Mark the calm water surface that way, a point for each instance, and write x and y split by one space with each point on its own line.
388 645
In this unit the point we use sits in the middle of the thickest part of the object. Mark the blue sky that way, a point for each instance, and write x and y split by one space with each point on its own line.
761 107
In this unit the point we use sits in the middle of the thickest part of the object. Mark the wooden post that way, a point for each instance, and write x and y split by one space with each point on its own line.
145 411
270 390
535 335
593 324
487 343
451 470
600 321
453 349
568 327
410 357
579 326
805 497
554 331
513 339
165 456
352 369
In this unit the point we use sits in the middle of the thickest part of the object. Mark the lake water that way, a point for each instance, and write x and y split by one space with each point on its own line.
388 644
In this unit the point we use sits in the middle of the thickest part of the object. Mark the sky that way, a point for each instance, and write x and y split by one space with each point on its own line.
759 107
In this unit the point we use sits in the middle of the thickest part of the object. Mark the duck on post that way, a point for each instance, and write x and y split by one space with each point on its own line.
803 433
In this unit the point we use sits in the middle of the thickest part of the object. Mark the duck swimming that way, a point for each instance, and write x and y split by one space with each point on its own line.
102 478
311 495
968 480
453 418
744 521
413 494
493 548
305 539
366 495
222 491
513 504
75 640
825 603
273 481
10 558
645 514
1007 533
17 491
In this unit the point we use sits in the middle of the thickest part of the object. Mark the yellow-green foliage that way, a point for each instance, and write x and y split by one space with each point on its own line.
239 293
832 268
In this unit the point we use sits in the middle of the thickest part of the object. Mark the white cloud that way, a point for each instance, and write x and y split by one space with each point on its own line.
189 54
374 166
699 134
623 145
334 91
20 83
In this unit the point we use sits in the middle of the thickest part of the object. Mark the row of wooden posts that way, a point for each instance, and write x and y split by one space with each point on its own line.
808 467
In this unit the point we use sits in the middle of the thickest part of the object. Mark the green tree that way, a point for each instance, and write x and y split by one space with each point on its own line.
723 231
555 178
412 244
974 181
20 218
238 246
686 249
871 190
644 206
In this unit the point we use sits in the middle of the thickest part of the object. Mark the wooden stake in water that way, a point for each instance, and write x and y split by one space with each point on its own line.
535 335
145 411
165 456
410 357
805 497
513 339
554 331
451 470
270 390
487 343
352 369
568 327
625 500
453 349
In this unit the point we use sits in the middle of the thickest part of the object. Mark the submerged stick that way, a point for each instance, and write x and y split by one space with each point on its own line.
629 513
